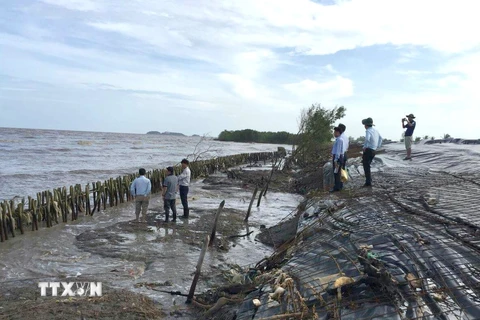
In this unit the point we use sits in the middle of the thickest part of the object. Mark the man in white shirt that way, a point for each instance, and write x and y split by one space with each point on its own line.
337 159
184 182
140 189
373 141
346 143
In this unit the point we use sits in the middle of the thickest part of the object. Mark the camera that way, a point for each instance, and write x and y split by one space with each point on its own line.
404 119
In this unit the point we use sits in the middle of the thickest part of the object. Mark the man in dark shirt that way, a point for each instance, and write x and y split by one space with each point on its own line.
409 124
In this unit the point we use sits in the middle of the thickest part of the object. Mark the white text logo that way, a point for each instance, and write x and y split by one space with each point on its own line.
71 289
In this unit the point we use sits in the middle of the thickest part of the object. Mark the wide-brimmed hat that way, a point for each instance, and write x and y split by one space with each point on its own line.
410 116
367 122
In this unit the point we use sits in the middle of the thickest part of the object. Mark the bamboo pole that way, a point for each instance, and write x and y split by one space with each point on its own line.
251 203
2 235
4 219
65 204
214 229
191 293
20 217
47 210
55 207
274 165
260 196
10 218
87 200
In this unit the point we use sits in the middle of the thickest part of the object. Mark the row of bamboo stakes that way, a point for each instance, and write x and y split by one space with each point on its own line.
61 204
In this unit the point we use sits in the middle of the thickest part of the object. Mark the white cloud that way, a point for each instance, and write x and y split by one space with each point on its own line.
80 5
339 87
244 54
243 87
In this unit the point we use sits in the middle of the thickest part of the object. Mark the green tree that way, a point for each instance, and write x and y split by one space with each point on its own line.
426 137
417 139
446 136
315 131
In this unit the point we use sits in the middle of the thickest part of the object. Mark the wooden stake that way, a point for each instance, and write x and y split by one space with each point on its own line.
214 229
2 235
4 219
87 200
10 218
251 203
274 165
20 217
260 196
191 293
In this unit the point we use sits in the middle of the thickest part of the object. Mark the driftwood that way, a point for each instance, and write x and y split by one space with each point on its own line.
212 309
173 293
285 316
241 235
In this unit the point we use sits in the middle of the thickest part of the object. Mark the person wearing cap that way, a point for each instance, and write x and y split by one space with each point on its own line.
373 141
346 143
409 124
184 182
140 189
337 159
170 184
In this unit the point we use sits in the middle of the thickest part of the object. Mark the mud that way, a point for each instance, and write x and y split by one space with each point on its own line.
24 302
153 260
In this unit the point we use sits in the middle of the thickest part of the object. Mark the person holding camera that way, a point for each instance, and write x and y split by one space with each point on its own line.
409 124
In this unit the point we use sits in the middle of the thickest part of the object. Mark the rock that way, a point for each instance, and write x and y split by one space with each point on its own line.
414 281
279 291
342 281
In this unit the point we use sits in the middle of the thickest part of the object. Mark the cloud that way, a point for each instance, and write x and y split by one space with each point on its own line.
80 5
246 56
339 87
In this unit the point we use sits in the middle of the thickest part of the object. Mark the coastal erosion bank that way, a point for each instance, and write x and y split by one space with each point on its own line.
405 249
408 248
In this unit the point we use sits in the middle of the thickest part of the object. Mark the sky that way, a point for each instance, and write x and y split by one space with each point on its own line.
200 67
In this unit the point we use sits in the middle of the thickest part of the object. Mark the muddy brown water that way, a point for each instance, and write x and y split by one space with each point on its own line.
111 249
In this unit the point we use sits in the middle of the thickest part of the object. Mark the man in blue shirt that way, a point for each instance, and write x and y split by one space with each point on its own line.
337 159
140 189
373 141
409 124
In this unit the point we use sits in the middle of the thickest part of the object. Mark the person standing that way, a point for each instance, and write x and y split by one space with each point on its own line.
140 189
346 143
409 124
337 159
373 141
170 185
184 182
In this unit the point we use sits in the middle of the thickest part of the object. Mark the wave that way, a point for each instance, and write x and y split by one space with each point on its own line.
97 172
20 175
59 149
84 143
